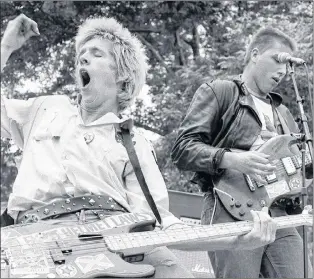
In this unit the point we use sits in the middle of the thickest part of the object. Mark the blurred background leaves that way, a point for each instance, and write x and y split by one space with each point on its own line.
187 44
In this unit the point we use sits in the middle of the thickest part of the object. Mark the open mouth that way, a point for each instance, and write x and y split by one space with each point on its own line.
276 79
85 78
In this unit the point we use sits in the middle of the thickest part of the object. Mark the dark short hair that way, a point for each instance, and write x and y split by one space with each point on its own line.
265 38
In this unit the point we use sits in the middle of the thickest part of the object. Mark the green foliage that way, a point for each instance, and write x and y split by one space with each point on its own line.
187 44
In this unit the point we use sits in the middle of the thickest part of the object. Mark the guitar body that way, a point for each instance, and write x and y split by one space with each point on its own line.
239 195
28 251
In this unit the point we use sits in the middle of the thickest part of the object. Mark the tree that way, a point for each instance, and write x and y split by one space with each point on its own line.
186 42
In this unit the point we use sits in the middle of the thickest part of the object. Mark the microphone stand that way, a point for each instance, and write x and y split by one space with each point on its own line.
306 141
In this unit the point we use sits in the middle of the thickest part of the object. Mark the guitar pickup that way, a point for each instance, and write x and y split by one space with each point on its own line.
271 178
90 236
57 256
259 184
289 166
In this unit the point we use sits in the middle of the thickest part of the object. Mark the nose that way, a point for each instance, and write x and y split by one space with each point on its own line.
84 59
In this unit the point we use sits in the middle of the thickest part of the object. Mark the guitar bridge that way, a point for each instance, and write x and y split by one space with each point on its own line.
249 183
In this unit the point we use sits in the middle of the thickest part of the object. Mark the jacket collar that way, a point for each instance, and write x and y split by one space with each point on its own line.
274 97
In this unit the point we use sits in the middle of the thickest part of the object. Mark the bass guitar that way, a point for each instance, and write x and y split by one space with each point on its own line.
240 193
105 248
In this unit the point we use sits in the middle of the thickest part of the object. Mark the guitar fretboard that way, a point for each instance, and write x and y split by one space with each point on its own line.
297 160
121 242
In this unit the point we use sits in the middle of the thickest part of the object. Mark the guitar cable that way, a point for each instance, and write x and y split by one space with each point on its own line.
214 210
215 204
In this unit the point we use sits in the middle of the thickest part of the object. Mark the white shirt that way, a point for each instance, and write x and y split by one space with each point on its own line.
265 113
57 160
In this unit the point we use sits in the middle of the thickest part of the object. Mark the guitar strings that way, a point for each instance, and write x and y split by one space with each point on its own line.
68 241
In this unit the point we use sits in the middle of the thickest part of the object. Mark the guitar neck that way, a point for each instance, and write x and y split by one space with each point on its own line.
151 239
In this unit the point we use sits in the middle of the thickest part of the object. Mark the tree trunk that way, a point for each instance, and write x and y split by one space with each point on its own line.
154 51
196 42
178 42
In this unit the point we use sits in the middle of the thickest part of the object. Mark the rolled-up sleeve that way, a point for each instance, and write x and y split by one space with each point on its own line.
155 183
14 115
192 149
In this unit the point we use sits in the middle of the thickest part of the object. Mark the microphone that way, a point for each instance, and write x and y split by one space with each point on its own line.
284 57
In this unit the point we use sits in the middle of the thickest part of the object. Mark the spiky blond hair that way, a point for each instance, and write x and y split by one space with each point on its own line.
128 53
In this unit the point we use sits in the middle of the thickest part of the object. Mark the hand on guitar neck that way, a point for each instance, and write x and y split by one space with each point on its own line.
252 163
262 233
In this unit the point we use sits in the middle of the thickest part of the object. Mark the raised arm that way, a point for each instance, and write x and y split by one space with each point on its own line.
18 31
15 113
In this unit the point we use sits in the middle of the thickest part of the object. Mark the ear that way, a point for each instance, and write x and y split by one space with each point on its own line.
122 84
254 55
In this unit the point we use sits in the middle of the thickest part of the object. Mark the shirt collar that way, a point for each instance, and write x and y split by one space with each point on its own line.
107 119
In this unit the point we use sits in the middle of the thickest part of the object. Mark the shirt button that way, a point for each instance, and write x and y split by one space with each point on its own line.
65 156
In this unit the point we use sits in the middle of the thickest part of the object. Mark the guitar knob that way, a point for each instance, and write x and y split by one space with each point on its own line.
262 203
238 204
231 203
241 212
249 203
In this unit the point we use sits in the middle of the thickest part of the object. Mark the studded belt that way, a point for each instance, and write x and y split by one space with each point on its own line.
71 205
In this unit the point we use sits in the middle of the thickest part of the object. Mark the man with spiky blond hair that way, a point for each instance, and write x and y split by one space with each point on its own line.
74 152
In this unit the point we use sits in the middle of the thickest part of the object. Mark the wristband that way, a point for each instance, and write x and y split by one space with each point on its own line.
217 160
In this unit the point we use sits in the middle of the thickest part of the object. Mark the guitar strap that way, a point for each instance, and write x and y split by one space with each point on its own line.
128 144
283 123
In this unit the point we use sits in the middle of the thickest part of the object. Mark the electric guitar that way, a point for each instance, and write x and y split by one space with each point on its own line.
239 193
105 248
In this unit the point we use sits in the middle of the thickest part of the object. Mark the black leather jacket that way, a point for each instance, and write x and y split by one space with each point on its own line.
221 115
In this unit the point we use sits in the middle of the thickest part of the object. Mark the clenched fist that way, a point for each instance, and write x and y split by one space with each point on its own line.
18 31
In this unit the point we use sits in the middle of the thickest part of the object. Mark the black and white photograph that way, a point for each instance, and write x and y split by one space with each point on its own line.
157 139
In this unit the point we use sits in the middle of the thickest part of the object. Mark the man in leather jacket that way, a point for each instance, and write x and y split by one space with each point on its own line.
242 114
